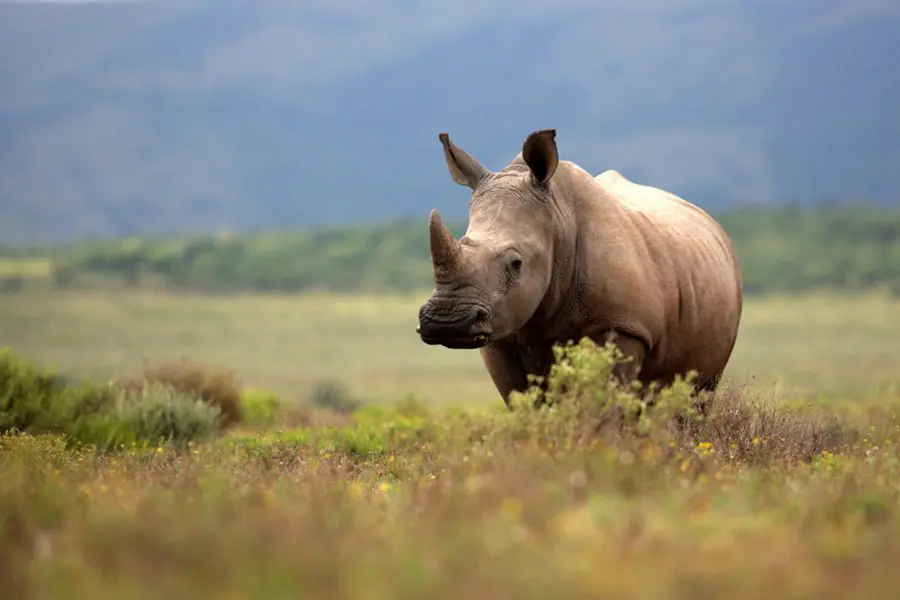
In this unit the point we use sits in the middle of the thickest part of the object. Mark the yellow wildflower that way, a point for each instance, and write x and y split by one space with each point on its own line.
511 509
355 490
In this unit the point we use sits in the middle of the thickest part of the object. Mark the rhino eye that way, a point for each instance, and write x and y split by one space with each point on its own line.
515 265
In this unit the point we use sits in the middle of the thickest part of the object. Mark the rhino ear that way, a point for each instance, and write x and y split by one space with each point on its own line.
464 169
540 154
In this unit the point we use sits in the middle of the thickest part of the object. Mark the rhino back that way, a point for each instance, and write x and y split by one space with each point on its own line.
663 266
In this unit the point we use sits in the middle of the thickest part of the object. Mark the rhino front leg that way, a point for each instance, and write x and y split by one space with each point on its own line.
505 369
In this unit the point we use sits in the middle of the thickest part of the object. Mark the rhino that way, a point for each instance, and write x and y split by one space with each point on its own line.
553 254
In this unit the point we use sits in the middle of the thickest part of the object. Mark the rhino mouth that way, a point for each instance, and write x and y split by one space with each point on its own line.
462 326
468 342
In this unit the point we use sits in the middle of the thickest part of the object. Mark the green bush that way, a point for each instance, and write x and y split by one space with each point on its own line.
38 401
581 402
333 395
216 387
35 401
28 397
159 413
259 408
587 405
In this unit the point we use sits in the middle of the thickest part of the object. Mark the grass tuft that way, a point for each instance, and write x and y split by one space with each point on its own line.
219 388
161 414
747 429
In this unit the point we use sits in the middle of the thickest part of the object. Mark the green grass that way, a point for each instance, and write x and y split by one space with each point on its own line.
769 497
801 346
426 502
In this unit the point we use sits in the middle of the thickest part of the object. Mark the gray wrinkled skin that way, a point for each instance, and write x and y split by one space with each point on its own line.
552 254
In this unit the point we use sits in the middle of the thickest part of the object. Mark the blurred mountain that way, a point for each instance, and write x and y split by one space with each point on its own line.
149 117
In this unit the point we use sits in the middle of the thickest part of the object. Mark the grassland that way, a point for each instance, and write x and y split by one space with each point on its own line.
26 267
768 497
810 346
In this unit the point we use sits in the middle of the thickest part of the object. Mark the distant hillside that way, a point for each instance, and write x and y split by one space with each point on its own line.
146 118
842 247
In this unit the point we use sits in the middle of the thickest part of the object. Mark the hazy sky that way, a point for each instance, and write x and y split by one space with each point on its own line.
187 108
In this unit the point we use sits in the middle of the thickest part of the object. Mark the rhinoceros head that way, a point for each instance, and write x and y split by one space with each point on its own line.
490 282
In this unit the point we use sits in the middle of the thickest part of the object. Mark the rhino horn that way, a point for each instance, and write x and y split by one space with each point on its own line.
444 247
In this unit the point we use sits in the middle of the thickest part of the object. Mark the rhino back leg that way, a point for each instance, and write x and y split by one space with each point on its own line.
707 388
711 384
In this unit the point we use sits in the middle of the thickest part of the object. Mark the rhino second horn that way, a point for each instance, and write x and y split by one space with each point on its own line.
444 247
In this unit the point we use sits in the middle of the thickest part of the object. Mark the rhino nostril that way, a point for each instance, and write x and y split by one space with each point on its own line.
481 316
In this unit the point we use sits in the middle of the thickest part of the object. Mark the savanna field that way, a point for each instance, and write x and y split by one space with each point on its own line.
317 449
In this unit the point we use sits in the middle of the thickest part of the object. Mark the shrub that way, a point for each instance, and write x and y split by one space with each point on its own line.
161 413
11 284
747 430
28 396
589 405
34 400
217 387
587 401
260 408
333 395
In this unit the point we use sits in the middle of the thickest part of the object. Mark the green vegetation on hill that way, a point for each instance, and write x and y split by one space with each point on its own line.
837 246
782 249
